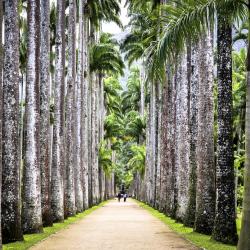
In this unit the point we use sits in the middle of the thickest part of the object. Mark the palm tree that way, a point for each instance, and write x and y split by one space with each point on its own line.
132 96
45 137
182 133
11 217
31 203
205 190
77 117
105 57
225 220
84 115
69 184
193 130
57 195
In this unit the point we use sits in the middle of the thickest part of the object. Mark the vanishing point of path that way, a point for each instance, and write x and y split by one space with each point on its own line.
116 226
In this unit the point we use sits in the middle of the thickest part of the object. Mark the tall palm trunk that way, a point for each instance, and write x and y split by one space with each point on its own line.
57 194
31 197
11 217
69 185
164 149
1 106
225 220
171 199
148 155
94 144
205 191
182 154
158 174
152 144
244 242
84 116
78 95
193 129
100 120
45 138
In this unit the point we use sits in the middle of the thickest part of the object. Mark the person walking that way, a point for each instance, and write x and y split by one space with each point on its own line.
119 196
125 197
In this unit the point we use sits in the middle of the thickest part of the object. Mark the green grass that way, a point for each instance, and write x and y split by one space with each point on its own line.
32 239
200 240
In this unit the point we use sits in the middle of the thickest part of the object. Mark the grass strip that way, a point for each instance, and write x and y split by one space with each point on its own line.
31 239
200 240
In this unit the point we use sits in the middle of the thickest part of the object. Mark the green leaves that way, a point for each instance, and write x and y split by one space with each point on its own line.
105 158
105 57
104 10
138 159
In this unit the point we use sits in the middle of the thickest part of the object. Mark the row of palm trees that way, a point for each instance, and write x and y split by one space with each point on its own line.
188 175
50 126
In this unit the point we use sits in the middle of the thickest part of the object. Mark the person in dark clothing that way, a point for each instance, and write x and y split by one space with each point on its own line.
119 197
125 197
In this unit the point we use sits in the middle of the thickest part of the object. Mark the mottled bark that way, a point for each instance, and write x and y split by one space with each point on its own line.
100 120
164 149
1 106
205 191
31 193
171 199
85 117
57 194
90 143
158 174
225 219
244 241
11 218
152 143
94 141
148 155
69 185
78 96
45 138
193 130
182 152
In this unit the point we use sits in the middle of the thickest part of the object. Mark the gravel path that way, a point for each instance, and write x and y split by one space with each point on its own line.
116 226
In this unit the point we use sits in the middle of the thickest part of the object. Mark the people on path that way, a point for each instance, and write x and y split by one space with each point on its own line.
125 197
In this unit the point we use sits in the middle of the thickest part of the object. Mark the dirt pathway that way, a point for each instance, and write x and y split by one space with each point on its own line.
116 226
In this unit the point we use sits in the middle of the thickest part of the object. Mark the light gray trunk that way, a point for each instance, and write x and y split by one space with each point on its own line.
165 146
57 192
158 174
11 217
45 138
78 102
69 185
94 141
85 115
205 191
182 152
148 156
31 193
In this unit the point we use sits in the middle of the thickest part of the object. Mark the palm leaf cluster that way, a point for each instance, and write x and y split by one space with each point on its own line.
105 56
